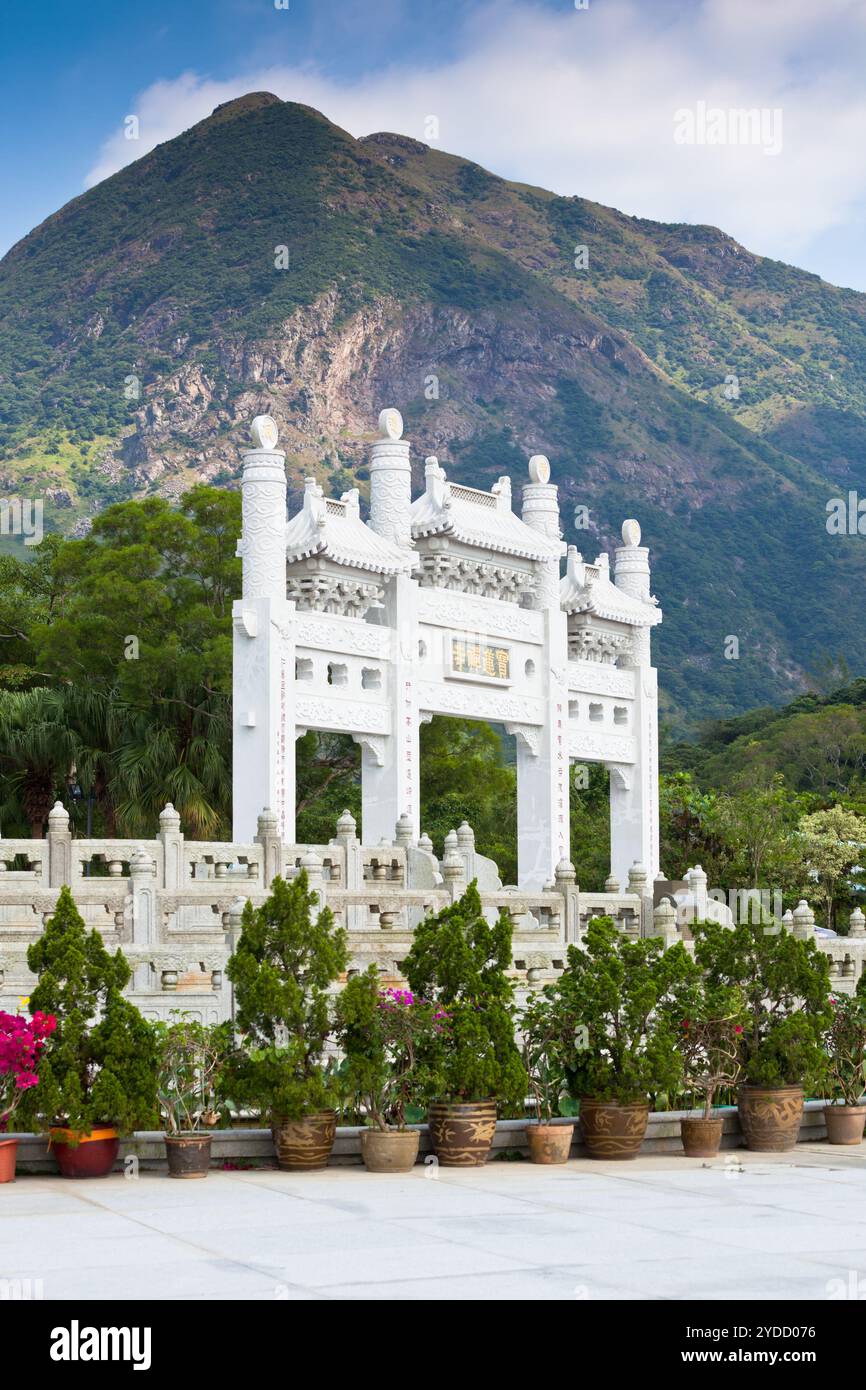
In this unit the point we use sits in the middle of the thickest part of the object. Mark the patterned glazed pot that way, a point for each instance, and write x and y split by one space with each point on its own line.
549 1143
188 1155
701 1137
85 1155
611 1130
461 1133
770 1117
389 1150
844 1123
302 1145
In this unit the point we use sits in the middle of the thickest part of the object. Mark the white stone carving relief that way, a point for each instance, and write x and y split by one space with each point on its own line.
480 615
476 703
355 639
351 716
529 734
373 746
590 678
603 748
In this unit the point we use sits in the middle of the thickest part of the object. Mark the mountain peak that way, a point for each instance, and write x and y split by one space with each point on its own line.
239 106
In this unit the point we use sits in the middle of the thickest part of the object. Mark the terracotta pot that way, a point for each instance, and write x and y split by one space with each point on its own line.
461 1133
770 1117
611 1130
844 1123
549 1143
389 1150
92 1156
702 1137
188 1155
305 1144
8 1154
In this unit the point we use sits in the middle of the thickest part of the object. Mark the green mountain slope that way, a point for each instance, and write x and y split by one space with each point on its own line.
144 323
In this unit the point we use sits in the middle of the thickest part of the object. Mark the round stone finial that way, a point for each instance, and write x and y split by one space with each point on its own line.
391 424
539 469
264 432
631 532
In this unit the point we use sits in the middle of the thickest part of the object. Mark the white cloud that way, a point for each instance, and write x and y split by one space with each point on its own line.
584 102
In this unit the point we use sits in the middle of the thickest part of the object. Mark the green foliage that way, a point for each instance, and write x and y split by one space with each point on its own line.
845 1045
459 961
785 984
191 1058
617 1010
388 1037
282 967
100 1066
545 1056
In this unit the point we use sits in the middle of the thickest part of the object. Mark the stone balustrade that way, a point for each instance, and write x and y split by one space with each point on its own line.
174 905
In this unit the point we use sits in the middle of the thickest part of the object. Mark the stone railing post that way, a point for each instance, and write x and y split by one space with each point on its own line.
315 871
454 873
268 836
638 883
804 921
565 880
857 923
144 925
59 847
234 920
403 836
665 922
172 847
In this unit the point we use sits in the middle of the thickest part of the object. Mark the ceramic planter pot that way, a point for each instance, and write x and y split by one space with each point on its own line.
844 1123
305 1144
549 1143
85 1155
611 1130
188 1155
461 1133
8 1154
770 1117
389 1150
702 1137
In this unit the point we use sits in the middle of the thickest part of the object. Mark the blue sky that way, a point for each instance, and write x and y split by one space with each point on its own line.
584 101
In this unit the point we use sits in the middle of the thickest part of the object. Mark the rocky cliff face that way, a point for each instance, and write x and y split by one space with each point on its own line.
267 261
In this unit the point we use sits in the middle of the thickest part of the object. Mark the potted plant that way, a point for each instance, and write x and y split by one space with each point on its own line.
21 1043
97 1075
710 1046
190 1057
542 1058
615 1004
383 1033
459 962
845 1044
282 967
784 982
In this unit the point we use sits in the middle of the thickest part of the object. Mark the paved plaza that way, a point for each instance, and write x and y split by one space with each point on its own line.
747 1226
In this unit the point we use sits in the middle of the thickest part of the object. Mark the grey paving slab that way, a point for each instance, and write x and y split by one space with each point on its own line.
660 1228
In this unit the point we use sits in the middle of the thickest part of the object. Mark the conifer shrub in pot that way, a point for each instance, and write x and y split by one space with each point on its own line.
617 1005
845 1046
459 962
385 1035
97 1076
710 1045
543 1059
285 960
784 981
22 1041
191 1055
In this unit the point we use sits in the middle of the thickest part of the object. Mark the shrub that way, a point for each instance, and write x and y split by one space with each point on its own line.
617 1005
459 962
785 985
22 1041
282 967
385 1035
191 1056
100 1064
845 1044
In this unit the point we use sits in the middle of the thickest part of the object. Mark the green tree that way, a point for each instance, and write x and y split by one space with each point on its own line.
832 844
785 984
284 962
459 961
617 1014
101 1064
